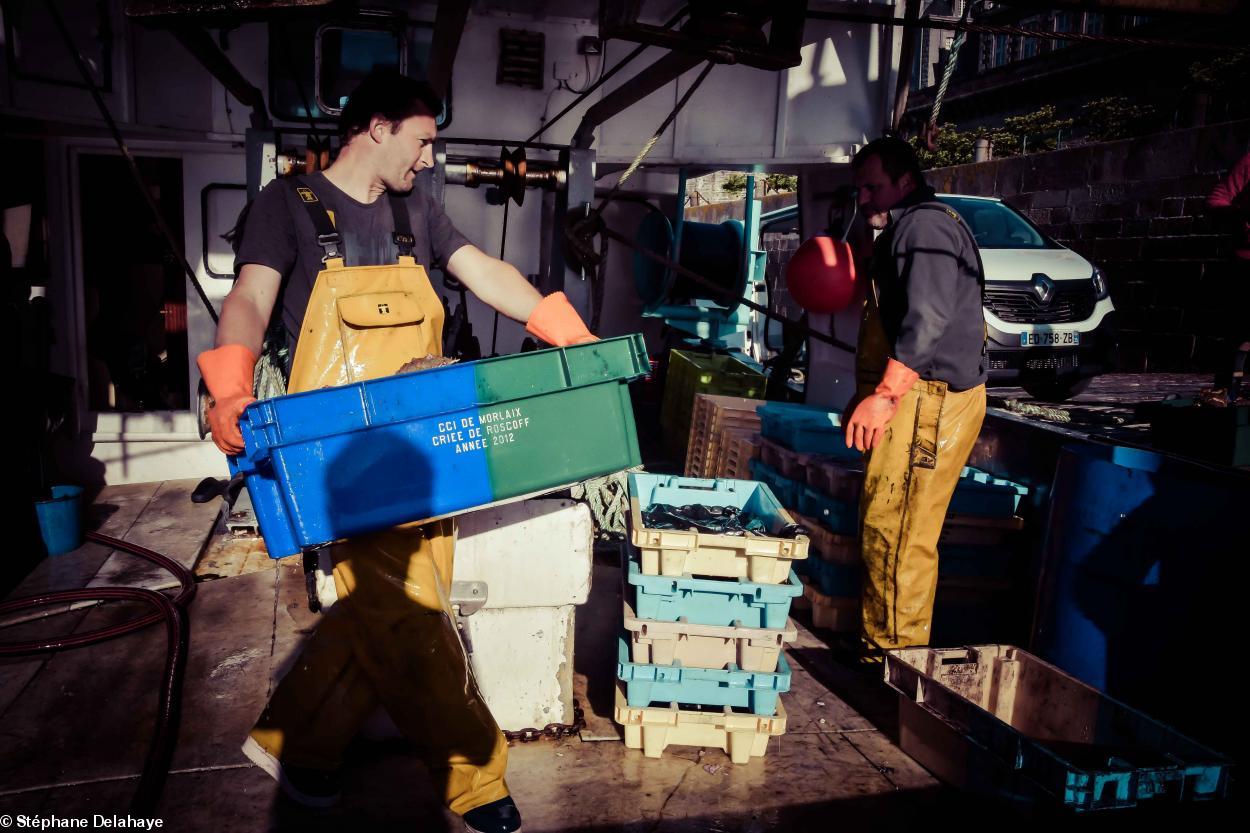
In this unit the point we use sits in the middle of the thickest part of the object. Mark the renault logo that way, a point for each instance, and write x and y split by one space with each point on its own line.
1043 287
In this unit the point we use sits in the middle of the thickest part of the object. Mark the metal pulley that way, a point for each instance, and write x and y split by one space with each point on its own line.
513 165
511 175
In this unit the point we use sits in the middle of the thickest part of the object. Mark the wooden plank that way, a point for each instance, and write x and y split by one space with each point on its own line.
293 622
88 713
227 676
171 525
810 705
227 555
16 673
901 770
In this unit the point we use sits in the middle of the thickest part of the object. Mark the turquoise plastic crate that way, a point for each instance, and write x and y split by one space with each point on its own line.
841 516
785 489
982 495
704 601
833 579
753 690
748 495
806 429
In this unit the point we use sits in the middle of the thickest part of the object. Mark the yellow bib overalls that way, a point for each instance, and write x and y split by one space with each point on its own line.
391 638
909 479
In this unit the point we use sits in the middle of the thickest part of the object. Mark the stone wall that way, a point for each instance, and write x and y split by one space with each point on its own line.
1137 208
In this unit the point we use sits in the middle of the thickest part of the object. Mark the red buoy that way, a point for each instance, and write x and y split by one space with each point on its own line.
821 275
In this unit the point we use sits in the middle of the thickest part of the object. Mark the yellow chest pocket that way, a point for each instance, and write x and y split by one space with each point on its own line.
380 309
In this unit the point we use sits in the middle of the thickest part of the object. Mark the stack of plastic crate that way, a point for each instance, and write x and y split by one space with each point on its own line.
717 423
692 373
804 458
793 438
737 451
706 620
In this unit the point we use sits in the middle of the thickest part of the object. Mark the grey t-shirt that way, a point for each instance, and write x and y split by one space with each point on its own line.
278 233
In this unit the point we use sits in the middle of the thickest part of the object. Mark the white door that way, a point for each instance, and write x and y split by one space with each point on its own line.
140 322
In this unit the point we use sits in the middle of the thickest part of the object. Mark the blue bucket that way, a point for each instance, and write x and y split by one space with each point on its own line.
60 520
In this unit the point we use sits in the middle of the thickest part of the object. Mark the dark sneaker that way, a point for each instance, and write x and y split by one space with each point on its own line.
500 816
310 787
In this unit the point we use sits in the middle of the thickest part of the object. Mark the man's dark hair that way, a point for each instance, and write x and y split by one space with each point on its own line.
897 158
388 95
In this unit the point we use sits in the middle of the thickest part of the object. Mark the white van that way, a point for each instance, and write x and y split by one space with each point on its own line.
1048 311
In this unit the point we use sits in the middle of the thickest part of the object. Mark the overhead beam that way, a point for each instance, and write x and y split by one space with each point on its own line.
448 28
662 72
200 44
1233 43
911 15
1145 7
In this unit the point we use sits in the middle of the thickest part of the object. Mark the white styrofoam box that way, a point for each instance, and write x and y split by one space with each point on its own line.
535 557
535 553
523 661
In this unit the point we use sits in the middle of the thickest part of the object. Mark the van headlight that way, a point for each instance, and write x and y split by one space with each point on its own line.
1100 285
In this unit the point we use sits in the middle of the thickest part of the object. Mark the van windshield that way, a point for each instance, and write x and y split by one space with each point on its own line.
998 226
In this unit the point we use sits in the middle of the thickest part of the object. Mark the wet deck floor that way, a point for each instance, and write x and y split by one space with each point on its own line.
76 725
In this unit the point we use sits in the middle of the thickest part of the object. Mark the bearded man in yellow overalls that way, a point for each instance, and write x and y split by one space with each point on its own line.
342 255
920 373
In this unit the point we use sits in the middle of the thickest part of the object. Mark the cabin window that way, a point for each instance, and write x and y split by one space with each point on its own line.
346 55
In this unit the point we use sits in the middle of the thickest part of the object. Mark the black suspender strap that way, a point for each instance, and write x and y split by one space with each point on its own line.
327 237
404 241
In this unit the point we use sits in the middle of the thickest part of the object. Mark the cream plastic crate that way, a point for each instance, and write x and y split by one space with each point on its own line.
740 736
737 449
675 552
705 646
713 420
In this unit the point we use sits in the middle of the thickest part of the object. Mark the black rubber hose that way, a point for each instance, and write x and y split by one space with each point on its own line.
177 638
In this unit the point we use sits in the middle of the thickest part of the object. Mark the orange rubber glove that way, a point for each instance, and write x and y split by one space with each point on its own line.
227 373
872 415
556 322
